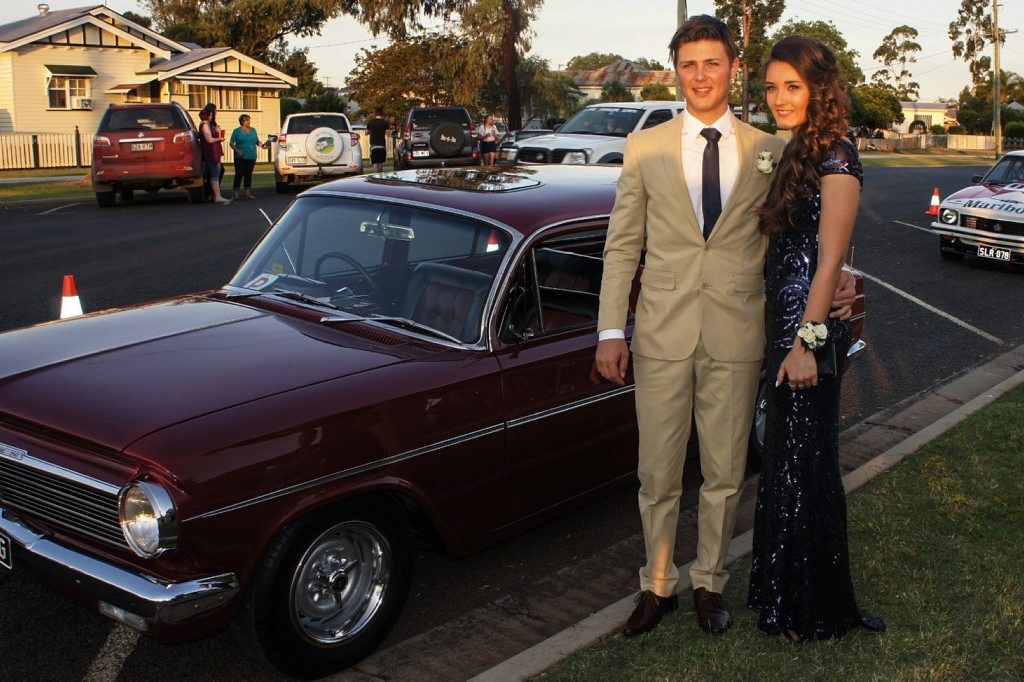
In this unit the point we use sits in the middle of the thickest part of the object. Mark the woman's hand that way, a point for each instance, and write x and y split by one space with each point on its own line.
799 368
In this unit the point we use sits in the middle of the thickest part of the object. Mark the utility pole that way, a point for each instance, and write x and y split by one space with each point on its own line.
745 99
680 18
997 124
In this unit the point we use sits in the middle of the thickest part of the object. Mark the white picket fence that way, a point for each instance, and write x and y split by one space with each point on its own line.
45 150
74 150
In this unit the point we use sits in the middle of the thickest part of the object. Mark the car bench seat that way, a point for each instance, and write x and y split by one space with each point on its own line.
447 298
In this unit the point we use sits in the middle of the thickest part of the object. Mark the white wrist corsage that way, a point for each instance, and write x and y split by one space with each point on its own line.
813 334
765 163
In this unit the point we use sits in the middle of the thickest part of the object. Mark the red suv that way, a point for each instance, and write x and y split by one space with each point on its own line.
150 146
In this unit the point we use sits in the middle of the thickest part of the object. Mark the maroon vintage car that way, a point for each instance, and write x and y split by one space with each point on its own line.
404 358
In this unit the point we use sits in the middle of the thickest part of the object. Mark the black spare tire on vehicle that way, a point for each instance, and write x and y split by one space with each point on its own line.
447 139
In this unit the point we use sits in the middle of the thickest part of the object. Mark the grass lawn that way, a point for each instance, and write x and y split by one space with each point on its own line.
936 549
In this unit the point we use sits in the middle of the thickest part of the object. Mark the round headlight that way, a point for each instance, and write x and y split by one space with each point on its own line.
148 519
948 216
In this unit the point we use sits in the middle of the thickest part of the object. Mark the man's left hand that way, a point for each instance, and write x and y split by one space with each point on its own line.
846 294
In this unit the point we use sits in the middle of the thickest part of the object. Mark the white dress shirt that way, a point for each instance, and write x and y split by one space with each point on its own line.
693 144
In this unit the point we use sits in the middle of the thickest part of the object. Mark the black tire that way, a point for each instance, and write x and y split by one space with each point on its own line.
948 252
447 139
126 194
280 184
196 195
105 199
329 589
755 450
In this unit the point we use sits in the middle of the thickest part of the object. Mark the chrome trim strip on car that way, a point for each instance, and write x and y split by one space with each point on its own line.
568 407
402 456
155 600
351 471
978 238
67 474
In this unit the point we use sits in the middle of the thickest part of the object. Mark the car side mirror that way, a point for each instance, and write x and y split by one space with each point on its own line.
975 179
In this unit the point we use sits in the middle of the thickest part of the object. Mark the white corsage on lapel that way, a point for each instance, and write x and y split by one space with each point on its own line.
765 162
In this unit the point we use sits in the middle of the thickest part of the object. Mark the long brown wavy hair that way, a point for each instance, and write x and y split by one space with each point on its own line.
826 121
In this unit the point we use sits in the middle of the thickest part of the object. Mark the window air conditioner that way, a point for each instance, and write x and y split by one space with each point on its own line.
81 103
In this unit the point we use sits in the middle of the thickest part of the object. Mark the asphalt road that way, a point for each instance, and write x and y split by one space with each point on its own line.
929 320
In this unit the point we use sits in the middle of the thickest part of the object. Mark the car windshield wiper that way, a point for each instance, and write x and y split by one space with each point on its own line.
304 298
403 322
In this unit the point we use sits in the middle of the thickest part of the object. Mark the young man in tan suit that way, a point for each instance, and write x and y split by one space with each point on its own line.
688 198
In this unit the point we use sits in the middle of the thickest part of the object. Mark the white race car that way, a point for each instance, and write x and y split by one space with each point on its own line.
987 218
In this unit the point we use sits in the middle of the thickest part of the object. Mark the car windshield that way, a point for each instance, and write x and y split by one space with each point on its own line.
429 118
602 121
411 268
156 118
1009 169
302 125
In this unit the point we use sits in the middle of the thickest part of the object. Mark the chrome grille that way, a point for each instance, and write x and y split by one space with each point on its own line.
989 225
69 504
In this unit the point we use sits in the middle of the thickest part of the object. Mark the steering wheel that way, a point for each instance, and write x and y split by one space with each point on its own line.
375 290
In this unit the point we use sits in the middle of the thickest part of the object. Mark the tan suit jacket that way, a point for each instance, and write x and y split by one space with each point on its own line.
689 287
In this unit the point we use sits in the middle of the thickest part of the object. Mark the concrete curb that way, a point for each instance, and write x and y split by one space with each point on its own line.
610 620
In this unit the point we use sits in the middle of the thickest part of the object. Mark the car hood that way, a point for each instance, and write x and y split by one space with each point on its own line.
999 200
114 377
567 141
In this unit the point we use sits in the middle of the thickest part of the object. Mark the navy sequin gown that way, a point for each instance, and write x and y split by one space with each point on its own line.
800 578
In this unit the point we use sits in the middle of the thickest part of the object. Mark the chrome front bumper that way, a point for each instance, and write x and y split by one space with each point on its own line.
152 600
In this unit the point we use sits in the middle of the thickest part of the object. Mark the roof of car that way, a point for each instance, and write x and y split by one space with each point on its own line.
525 199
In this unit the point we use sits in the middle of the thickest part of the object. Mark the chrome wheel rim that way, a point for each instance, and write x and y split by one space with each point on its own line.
340 583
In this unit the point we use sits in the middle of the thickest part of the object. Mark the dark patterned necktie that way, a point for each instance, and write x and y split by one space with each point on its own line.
711 186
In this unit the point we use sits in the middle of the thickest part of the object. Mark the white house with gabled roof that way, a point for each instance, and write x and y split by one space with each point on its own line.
60 69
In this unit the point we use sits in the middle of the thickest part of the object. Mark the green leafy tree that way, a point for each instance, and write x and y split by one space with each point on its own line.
138 18
397 78
1014 129
543 93
593 61
971 32
874 107
749 21
614 91
649 64
327 100
296 63
656 91
826 32
897 52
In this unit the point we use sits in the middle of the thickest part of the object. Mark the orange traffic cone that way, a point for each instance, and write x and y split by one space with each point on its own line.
70 306
492 242
933 209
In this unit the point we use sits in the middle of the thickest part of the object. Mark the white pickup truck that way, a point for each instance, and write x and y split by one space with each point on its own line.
595 134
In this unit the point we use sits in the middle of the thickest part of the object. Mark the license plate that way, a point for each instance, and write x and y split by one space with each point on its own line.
296 159
994 253
6 561
142 146
416 152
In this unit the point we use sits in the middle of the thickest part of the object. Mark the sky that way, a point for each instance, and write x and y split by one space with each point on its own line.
642 28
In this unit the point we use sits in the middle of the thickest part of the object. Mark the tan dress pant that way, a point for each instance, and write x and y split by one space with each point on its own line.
721 396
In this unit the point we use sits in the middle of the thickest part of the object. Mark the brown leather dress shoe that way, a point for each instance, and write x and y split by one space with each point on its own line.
648 612
712 616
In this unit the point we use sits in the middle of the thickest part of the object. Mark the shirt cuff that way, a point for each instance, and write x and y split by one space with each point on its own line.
611 334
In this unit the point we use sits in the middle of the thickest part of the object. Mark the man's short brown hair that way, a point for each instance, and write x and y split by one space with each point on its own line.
702 27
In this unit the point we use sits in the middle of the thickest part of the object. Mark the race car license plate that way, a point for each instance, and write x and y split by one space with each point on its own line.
5 552
420 152
142 146
993 252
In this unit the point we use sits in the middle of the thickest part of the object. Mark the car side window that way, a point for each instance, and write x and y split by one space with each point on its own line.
657 117
556 289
